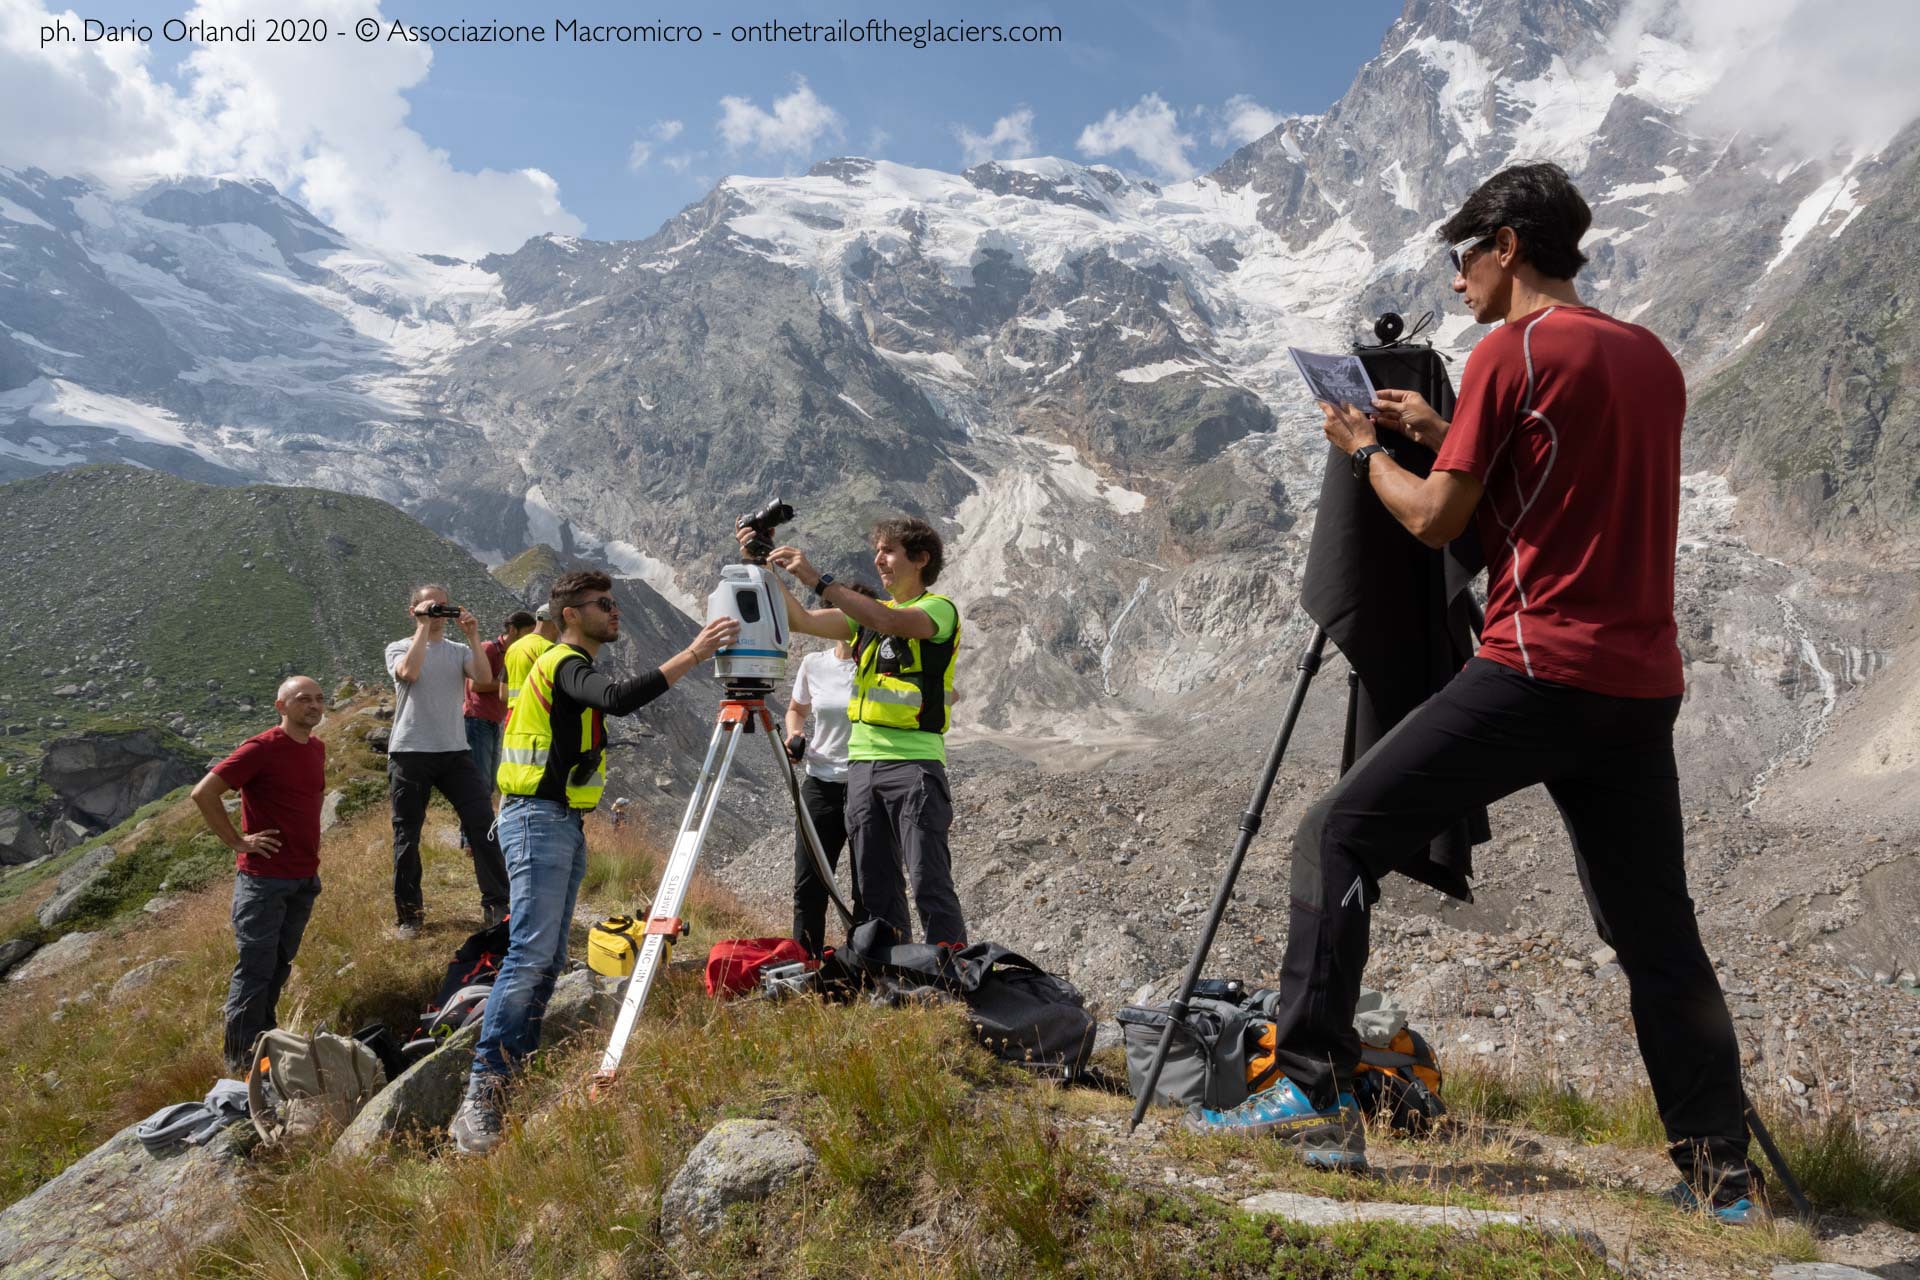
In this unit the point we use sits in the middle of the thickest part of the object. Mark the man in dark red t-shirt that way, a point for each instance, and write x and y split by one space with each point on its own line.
281 778
485 710
1564 453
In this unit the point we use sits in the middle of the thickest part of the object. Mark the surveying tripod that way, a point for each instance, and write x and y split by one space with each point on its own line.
742 711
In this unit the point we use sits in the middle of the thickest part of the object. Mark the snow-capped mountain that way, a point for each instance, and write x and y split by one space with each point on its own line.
1081 376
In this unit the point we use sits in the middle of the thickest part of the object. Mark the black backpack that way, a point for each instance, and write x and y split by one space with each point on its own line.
1020 1012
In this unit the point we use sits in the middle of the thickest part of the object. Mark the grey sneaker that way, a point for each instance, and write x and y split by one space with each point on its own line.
476 1127
405 931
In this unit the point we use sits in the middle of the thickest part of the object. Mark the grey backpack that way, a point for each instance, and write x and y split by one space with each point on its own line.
296 1082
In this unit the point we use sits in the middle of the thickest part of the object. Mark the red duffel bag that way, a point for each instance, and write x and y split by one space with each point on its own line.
734 966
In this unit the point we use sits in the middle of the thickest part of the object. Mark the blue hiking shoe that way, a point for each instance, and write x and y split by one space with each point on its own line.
1332 1139
1738 1212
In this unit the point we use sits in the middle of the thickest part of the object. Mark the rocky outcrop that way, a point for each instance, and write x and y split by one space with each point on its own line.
13 951
425 1096
422 1100
57 957
104 777
73 885
739 1161
19 840
124 1212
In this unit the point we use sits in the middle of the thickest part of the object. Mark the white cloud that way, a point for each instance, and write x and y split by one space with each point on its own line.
677 162
327 124
1011 138
642 149
795 124
1150 129
1242 120
1815 75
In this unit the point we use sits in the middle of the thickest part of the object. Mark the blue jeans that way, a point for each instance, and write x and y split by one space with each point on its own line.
545 845
483 744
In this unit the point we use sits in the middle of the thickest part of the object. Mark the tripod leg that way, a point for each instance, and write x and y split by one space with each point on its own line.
665 912
1249 827
1778 1161
806 826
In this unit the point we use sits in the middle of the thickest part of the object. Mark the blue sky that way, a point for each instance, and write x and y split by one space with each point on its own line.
576 112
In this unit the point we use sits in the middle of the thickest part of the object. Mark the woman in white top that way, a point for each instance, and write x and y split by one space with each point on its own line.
821 690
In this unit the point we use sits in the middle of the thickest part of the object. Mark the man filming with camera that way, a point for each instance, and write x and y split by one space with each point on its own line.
899 807
1564 454
427 752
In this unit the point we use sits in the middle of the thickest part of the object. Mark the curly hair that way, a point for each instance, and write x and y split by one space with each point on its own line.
916 537
1541 206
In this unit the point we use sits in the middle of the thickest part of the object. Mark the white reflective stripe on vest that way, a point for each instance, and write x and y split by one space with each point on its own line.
525 755
898 697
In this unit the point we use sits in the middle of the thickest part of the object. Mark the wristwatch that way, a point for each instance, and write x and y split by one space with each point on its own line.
1362 456
820 587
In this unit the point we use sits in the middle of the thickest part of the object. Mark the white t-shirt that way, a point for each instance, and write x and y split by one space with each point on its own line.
826 684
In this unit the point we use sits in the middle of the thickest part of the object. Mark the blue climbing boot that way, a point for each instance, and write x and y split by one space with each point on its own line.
1332 1139
1734 1210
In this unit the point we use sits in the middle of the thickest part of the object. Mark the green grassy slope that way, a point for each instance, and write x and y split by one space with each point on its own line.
175 598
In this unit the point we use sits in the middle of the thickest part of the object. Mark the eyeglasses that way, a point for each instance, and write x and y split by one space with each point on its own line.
604 603
1457 255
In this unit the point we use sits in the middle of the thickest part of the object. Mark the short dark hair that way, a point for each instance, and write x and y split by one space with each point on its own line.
520 620
1544 208
916 537
855 585
570 590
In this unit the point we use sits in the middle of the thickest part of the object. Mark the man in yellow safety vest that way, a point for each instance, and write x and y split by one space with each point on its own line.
552 771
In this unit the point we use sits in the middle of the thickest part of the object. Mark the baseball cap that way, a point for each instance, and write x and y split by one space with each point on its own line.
544 613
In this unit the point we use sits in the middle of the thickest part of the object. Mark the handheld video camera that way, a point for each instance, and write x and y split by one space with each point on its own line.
441 611
763 522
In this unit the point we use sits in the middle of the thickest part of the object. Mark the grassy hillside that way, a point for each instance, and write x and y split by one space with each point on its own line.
166 602
935 1160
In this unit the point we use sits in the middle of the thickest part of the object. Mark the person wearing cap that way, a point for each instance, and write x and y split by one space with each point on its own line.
525 651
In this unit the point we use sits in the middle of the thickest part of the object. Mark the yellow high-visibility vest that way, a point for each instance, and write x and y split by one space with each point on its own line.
552 761
520 657
900 683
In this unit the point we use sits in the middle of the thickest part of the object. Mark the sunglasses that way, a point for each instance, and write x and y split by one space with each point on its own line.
1457 255
604 603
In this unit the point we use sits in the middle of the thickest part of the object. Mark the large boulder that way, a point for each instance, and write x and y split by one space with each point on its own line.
421 1100
426 1095
13 951
19 839
739 1161
103 777
55 958
121 1211
73 885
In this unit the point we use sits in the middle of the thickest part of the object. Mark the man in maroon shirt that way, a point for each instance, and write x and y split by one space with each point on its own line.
281 778
1564 453
485 709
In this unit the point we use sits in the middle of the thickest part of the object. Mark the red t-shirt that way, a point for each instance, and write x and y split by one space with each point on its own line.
1571 419
490 706
281 784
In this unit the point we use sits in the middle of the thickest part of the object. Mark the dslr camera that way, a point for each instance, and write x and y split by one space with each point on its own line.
763 522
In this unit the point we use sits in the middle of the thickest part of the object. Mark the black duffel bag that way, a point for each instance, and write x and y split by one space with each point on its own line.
1019 1011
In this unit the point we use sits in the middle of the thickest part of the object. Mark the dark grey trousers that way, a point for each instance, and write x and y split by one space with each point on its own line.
412 778
898 815
269 918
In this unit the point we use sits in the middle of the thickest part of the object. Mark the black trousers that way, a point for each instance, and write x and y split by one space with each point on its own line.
898 815
412 778
1608 764
826 804
269 918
